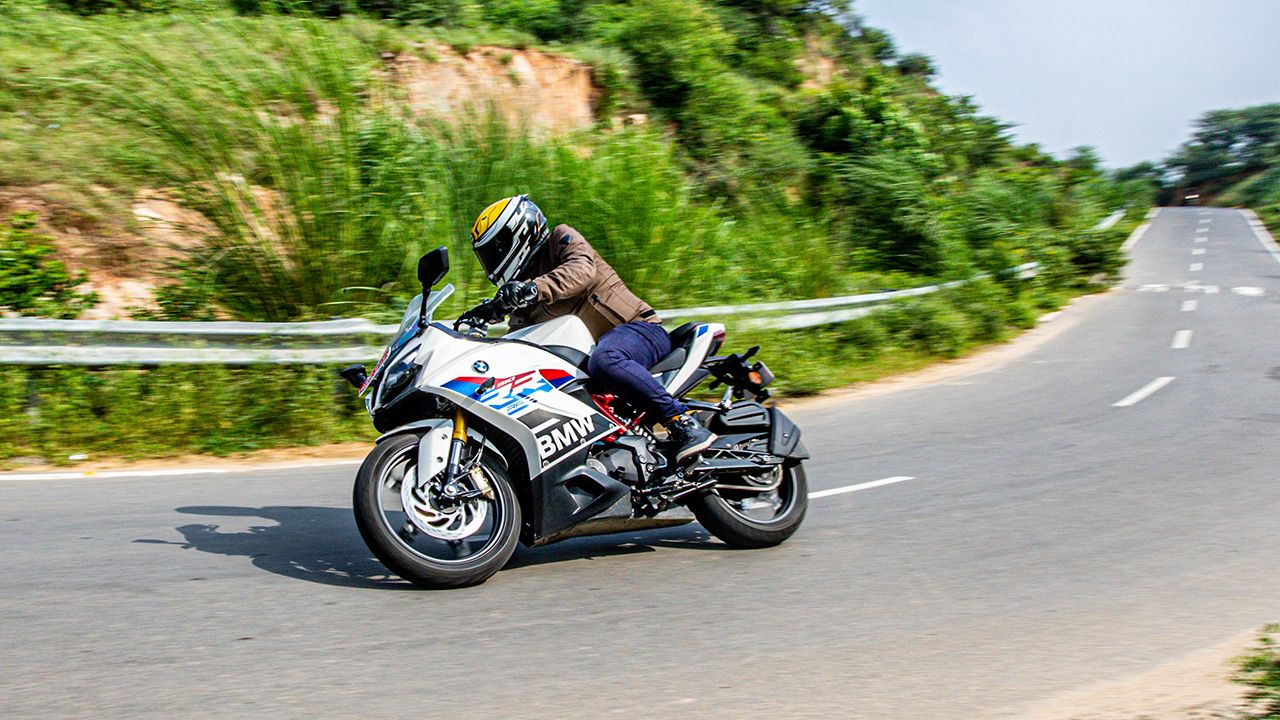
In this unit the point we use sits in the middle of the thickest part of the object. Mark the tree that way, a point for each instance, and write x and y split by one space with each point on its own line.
879 43
1229 142
917 64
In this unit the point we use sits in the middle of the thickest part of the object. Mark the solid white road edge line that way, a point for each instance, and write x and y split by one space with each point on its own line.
1136 235
1189 305
859 486
176 472
1147 391
1181 340
1264 236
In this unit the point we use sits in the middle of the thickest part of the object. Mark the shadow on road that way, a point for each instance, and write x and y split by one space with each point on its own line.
321 544
684 537
317 544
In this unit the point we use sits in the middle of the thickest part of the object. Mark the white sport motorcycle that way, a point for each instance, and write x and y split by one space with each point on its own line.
492 441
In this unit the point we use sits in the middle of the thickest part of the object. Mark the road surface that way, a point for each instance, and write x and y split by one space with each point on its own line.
1101 503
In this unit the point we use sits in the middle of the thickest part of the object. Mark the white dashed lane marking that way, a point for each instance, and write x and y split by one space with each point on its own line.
859 486
1147 391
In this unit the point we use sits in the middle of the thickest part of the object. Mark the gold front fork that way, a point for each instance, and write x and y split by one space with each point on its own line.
459 425
451 486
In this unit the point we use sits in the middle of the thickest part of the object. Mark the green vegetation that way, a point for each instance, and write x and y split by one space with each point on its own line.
32 281
52 413
1260 671
793 154
1232 159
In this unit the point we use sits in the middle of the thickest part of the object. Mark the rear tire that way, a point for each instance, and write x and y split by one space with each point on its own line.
719 518
413 566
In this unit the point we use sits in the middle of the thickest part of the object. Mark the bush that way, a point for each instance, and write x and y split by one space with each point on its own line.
986 305
32 281
1260 671
864 338
52 412
1096 253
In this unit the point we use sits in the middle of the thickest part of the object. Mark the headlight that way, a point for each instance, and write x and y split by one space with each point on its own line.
397 378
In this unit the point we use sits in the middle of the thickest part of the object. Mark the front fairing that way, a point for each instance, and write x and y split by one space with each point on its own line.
395 368
527 393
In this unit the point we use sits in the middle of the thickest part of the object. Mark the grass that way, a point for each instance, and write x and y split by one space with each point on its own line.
175 410
322 189
1259 670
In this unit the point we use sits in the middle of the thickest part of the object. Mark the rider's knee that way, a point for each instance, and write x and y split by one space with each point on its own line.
603 362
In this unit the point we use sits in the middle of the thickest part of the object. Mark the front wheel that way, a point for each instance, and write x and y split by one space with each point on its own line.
745 517
422 537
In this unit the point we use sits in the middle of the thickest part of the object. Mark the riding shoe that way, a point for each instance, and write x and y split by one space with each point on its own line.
693 438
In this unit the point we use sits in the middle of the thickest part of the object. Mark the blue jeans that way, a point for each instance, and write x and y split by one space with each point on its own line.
622 359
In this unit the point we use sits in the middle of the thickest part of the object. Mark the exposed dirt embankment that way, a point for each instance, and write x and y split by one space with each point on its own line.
539 90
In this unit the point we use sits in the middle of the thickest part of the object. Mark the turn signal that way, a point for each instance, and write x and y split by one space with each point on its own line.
754 377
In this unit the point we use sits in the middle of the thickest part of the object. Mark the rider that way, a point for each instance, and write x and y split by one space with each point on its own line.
545 274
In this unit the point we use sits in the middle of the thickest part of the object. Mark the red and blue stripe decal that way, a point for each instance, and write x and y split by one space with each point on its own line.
515 384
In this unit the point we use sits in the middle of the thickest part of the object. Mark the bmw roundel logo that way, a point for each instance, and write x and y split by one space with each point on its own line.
480 366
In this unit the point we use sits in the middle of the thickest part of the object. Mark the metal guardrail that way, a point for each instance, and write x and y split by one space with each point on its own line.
1111 220
31 341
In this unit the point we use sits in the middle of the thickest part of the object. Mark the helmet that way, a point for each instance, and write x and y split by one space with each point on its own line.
506 235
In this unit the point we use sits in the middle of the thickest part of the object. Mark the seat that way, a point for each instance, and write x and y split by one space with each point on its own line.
683 335
573 356
674 361
681 339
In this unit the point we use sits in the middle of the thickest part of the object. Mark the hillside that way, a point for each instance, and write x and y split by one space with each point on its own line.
283 161
125 234
784 125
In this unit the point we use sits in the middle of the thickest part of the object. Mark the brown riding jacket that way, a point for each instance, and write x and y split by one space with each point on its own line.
573 279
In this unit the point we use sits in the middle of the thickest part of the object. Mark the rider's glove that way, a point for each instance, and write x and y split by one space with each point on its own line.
517 294
486 313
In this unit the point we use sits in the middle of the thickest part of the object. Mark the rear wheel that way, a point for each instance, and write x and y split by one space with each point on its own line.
746 517
420 535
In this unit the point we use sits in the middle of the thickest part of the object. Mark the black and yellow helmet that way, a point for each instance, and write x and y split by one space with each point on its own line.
506 235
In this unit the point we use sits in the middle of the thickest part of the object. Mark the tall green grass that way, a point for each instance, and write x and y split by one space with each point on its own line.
286 133
322 191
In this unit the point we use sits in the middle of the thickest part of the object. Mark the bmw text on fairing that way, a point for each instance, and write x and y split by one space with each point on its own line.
488 442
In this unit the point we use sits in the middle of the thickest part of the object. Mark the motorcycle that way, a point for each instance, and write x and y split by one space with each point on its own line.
488 442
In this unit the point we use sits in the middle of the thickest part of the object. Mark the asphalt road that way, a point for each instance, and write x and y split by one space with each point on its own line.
1047 539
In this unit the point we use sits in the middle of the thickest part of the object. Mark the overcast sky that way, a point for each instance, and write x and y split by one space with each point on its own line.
1125 76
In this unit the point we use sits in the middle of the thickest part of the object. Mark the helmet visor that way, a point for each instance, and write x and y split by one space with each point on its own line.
495 254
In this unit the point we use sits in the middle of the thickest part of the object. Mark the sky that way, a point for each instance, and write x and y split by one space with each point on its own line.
1128 77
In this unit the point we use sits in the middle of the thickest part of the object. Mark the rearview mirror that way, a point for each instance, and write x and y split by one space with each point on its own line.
432 268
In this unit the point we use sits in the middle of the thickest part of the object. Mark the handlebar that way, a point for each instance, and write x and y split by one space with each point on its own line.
479 318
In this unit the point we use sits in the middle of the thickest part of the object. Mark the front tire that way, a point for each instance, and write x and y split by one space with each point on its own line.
418 556
722 513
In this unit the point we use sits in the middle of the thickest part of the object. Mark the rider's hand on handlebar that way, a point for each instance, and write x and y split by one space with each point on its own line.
480 316
517 294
